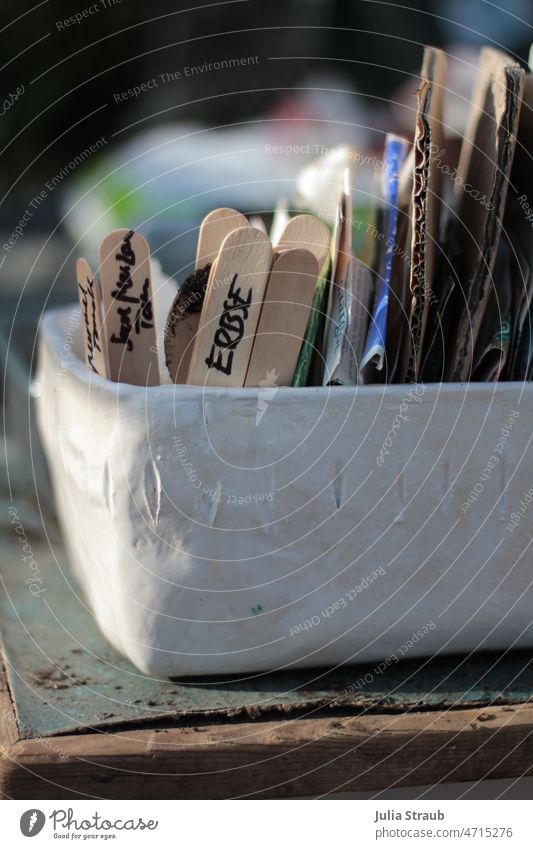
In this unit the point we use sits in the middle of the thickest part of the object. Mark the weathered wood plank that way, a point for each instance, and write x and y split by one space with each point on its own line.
8 724
288 757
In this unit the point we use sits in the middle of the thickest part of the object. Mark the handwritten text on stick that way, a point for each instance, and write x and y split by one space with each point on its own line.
143 317
230 329
92 336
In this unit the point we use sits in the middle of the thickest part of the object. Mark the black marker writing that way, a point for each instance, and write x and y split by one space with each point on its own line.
91 332
144 317
124 283
125 329
230 329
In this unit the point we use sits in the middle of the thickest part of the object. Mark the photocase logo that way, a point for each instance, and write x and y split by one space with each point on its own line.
267 390
32 822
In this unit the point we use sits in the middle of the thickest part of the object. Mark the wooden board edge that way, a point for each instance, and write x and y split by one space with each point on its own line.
9 732
278 759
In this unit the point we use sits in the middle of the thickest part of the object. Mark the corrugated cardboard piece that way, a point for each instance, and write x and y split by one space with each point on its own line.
425 199
482 183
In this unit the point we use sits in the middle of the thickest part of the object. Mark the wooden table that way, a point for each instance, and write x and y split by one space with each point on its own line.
273 758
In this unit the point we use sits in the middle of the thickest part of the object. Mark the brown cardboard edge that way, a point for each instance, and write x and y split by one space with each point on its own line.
425 201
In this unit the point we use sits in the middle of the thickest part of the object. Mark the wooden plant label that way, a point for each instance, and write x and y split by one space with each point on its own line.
128 311
213 230
231 310
91 315
283 319
184 316
308 232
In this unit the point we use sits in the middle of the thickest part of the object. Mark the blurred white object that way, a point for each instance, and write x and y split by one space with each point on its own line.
320 184
164 180
280 220
170 176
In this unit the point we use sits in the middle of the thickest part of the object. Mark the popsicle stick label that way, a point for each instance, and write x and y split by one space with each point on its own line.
214 228
308 232
129 315
283 319
231 310
91 313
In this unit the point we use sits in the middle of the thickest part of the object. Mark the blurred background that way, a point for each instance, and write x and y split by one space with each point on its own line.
115 113
147 85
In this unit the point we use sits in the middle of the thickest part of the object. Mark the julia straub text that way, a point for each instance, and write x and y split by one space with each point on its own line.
392 815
